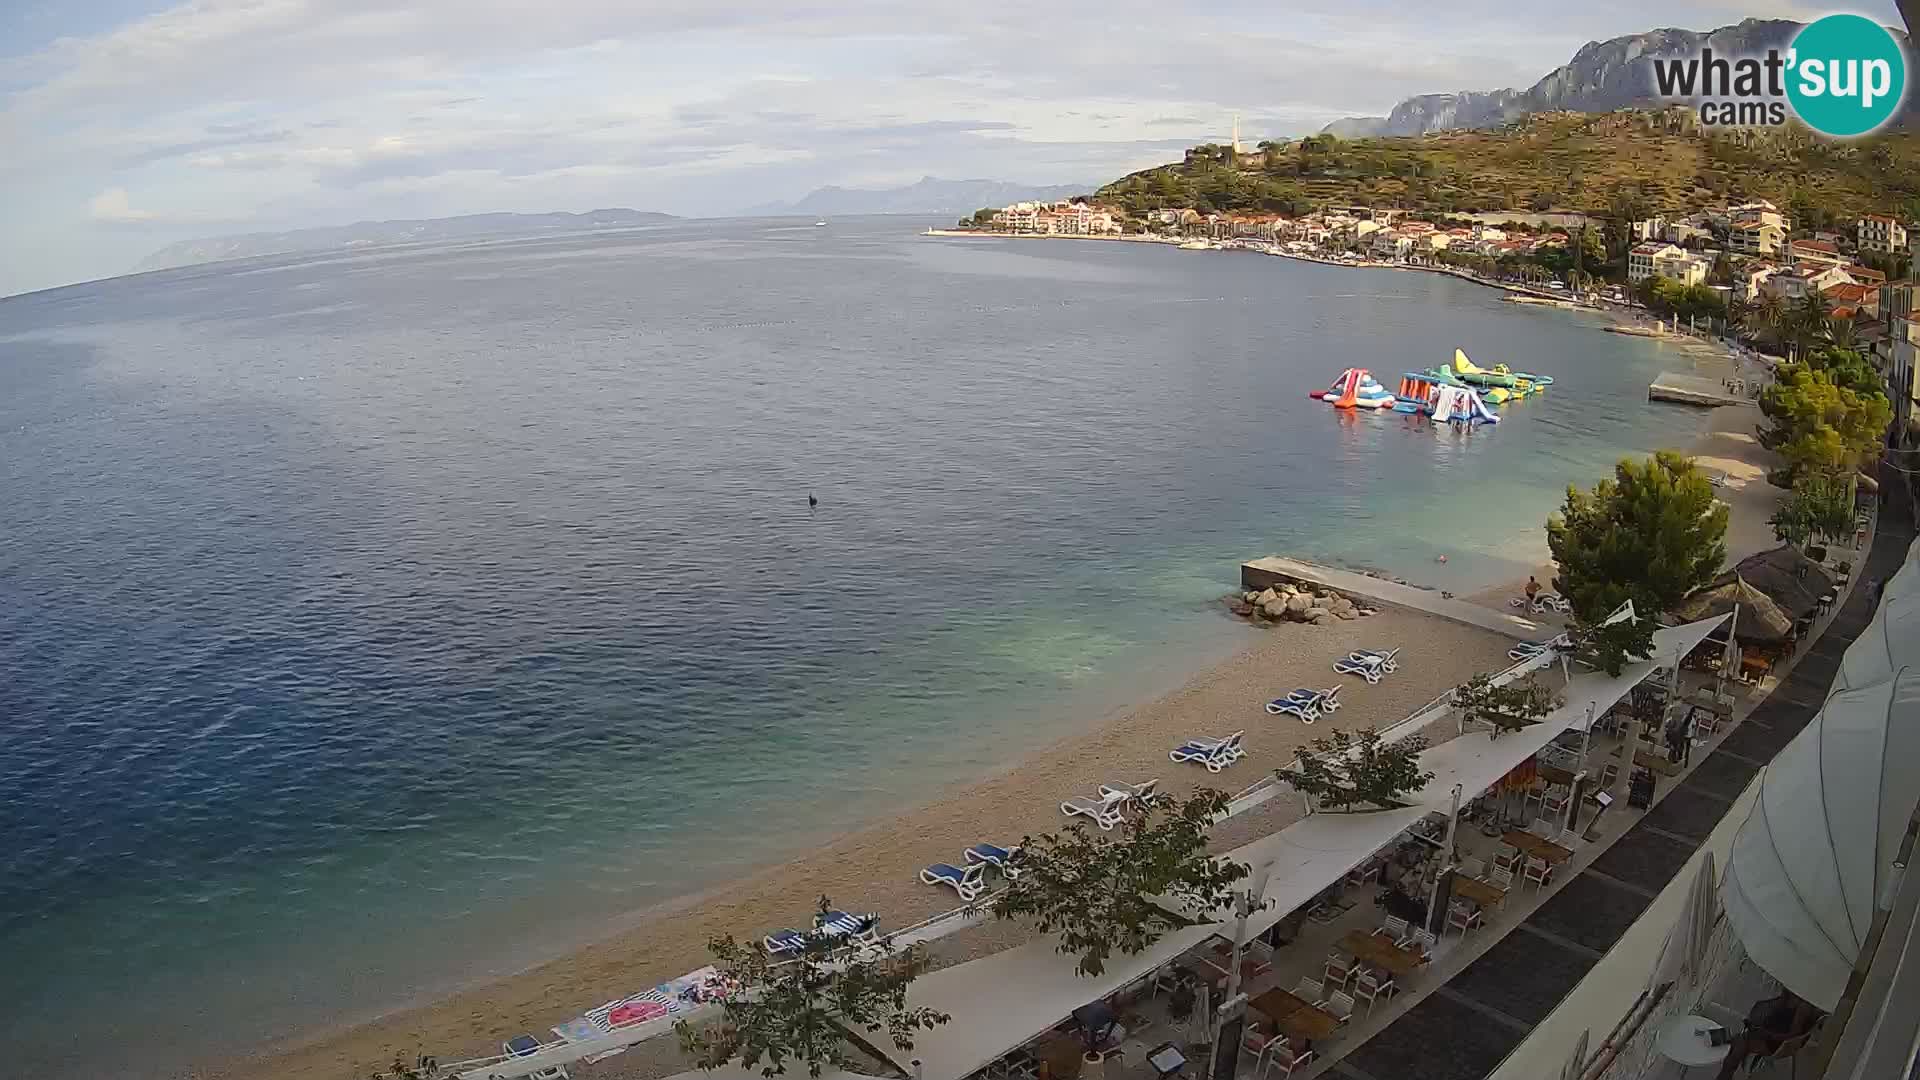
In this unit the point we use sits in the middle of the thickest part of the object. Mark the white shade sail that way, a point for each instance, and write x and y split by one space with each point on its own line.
1819 843
1892 640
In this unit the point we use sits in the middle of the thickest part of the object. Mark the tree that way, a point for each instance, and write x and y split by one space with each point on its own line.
1818 425
1722 272
1510 707
1848 368
1821 505
1611 646
984 215
1104 895
801 1008
1344 770
1652 534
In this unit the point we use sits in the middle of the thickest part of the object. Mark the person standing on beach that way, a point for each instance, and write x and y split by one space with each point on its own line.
1533 588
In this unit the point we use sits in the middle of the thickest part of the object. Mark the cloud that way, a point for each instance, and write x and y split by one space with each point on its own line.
288 113
115 208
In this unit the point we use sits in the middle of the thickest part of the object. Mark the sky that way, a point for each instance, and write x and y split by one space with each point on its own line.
126 125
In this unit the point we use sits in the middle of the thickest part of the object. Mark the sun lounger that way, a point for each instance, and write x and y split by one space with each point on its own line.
1215 754
784 941
1307 705
1105 812
857 929
1527 650
1005 860
968 883
527 1046
1389 660
1370 666
1139 793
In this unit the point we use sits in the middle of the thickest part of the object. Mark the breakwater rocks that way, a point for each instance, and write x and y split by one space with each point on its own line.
1293 603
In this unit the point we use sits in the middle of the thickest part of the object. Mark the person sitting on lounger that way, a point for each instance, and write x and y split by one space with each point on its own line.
1770 1023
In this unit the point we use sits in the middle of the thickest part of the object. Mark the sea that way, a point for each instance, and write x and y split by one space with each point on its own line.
376 622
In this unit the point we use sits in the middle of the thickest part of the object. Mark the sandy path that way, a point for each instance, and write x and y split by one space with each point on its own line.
875 869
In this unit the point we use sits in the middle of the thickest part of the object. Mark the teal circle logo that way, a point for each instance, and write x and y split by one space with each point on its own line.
1846 75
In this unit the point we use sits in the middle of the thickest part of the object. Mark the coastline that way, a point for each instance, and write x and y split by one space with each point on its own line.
875 867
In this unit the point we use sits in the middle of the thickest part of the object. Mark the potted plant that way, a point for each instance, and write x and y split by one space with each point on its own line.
1180 1002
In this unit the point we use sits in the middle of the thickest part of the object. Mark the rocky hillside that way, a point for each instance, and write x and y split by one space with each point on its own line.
1601 77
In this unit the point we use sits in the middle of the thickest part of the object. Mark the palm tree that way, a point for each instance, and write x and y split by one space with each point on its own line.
1810 318
1768 317
1841 332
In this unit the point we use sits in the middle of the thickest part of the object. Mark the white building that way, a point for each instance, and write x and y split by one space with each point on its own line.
1878 232
1755 238
1641 260
1682 266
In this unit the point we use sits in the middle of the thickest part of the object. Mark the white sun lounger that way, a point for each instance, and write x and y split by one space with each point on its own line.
1370 666
1139 793
1105 812
1215 754
1005 860
969 883
857 929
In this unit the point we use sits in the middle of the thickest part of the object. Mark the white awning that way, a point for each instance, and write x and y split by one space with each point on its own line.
1892 640
1818 845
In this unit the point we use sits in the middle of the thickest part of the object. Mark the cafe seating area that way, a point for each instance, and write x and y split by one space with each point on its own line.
1330 975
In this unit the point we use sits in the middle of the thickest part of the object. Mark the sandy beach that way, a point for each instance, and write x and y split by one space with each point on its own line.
875 869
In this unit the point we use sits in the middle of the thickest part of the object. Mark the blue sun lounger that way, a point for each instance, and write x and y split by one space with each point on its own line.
1308 705
1215 754
969 883
857 929
1002 859
784 941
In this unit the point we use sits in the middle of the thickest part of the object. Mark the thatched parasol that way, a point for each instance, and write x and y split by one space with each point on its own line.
1761 621
1786 575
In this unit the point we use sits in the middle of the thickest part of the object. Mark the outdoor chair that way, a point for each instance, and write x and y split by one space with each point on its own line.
1473 868
1340 1007
1370 988
1310 990
1463 917
1538 872
969 883
1104 812
1788 1051
854 929
1288 1062
1535 796
1338 972
1507 858
1424 942
1394 929
1554 802
1544 828
1499 877
1005 860
1261 1045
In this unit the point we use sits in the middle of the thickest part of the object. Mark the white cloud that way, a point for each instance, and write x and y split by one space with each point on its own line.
298 112
114 207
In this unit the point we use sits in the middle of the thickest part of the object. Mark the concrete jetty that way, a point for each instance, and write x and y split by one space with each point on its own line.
1275 569
1691 390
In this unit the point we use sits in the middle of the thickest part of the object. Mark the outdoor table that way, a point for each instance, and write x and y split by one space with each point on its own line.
1536 847
1167 1060
1478 891
1381 953
1755 666
1651 761
1682 1040
1295 1016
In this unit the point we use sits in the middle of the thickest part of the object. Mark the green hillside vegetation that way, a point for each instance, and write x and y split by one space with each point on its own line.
1614 165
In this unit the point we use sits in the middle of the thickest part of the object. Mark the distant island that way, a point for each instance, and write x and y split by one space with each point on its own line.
378 233
928 195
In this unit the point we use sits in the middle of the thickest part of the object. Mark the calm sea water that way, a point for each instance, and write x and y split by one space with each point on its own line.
374 622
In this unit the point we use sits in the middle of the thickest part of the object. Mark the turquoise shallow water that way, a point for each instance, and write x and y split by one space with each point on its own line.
376 622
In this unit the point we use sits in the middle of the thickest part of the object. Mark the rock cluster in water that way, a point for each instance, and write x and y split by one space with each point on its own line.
1288 602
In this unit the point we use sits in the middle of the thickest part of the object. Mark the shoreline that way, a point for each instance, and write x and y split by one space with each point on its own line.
871 867
874 867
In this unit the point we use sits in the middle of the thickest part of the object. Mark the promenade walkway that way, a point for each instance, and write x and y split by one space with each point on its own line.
1261 573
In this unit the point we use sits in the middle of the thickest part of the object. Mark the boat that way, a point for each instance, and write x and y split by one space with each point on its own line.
1197 245
821 224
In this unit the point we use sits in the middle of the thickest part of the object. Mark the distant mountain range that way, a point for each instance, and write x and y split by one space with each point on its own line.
375 233
1601 77
929 195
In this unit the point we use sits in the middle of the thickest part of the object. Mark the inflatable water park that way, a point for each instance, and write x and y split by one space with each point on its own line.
1355 389
1459 392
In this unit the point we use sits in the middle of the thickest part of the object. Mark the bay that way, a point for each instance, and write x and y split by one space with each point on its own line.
376 622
